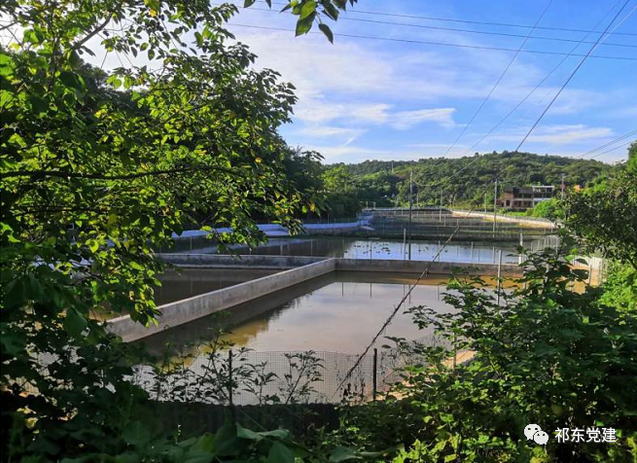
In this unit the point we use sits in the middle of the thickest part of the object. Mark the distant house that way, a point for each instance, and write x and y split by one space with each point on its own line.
523 198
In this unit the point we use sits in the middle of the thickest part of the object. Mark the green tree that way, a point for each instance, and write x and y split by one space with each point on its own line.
632 157
548 353
605 217
342 193
310 12
463 180
98 170
550 209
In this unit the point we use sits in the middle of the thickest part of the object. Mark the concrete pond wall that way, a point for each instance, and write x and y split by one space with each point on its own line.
192 308
294 270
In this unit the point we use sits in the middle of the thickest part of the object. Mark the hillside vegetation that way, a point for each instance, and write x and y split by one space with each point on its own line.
466 180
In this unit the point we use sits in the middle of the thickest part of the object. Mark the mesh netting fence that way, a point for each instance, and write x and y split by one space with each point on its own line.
246 377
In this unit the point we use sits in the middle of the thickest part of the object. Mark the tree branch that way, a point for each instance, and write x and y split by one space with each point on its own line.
91 34
64 174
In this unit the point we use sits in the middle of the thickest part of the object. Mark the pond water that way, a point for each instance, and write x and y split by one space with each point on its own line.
366 248
187 282
339 312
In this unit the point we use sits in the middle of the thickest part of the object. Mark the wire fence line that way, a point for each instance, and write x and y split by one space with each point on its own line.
247 377
391 316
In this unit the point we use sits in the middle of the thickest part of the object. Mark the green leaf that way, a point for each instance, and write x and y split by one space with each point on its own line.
137 434
304 25
276 433
279 453
93 245
248 3
326 30
153 4
307 9
70 79
244 433
12 343
6 65
339 454
225 442
74 323
38 105
30 36
331 10
205 443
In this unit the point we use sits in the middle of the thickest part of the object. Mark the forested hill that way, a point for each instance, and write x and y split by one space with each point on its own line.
465 179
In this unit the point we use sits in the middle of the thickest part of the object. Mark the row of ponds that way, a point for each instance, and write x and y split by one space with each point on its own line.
334 316
338 312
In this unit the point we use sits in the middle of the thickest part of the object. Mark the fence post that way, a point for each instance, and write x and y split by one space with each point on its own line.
374 367
230 400
499 287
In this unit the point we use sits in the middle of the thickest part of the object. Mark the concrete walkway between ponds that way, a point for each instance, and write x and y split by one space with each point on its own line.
294 270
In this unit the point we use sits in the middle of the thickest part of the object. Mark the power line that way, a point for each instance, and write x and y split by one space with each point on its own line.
515 108
454 29
538 85
391 316
446 44
605 145
486 23
612 142
470 21
570 77
622 145
503 34
497 82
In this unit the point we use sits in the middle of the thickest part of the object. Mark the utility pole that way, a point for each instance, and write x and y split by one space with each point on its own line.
495 199
562 193
440 209
411 203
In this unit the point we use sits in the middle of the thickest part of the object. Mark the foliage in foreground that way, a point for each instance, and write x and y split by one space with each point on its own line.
98 170
552 353
605 217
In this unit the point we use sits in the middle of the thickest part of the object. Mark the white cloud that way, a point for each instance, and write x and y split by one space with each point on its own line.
348 154
318 110
557 134
373 113
360 90
320 131
407 119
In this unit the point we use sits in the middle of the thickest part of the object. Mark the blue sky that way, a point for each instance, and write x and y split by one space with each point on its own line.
372 99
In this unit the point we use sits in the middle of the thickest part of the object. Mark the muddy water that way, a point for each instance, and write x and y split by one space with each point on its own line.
184 283
339 312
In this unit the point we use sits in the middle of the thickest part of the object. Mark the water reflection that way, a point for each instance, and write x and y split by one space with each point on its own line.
338 312
365 248
187 282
